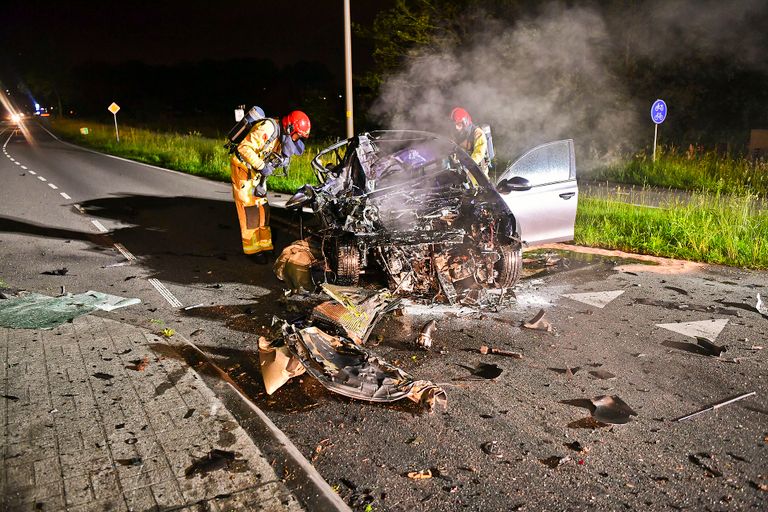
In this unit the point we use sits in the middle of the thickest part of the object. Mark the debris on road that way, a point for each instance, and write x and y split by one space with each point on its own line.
353 310
612 410
718 405
484 349
278 365
217 459
687 307
139 365
296 263
58 272
492 448
698 459
538 322
423 474
555 462
709 347
424 339
602 374
36 311
481 371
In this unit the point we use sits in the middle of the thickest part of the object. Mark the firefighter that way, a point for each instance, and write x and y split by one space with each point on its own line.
265 148
471 138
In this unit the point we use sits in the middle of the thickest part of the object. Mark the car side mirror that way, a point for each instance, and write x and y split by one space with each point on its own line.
515 183
301 198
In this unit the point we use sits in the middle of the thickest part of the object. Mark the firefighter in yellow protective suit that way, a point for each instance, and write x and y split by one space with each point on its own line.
471 138
265 148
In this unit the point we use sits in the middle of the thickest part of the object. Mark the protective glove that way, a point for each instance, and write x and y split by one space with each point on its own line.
267 170
260 190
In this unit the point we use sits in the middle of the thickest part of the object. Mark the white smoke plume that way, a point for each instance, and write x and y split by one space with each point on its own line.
549 77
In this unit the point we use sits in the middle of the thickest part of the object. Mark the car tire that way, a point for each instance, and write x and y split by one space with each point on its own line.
509 266
347 264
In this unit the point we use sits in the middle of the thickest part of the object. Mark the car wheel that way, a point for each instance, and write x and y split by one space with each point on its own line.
509 266
347 264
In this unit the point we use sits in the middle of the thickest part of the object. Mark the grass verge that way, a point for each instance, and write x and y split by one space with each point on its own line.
190 153
704 172
715 228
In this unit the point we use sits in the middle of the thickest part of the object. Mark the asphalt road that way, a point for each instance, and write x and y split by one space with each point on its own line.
121 224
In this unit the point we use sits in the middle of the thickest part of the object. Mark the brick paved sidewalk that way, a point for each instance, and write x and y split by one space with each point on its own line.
94 419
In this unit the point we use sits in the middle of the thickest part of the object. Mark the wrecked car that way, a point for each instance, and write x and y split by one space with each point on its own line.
415 206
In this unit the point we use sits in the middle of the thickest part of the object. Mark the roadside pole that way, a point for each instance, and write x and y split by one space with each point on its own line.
658 114
114 108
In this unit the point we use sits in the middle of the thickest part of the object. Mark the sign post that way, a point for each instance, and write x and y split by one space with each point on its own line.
114 107
658 114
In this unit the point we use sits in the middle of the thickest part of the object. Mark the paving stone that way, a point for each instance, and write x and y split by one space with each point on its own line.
78 441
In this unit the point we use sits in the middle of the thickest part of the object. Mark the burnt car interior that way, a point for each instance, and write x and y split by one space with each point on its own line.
415 206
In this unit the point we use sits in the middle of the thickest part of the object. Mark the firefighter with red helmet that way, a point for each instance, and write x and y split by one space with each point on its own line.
267 146
471 138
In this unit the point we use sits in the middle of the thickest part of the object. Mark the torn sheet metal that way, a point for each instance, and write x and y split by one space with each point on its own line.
36 311
278 365
348 369
424 339
295 263
353 311
538 322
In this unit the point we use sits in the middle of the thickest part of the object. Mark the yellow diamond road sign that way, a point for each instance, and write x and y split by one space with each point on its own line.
114 107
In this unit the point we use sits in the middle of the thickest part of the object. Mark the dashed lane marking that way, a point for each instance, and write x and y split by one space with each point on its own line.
24 167
99 225
709 329
41 178
165 292
597 299
125 252
32 173
54 187
17 163
64 195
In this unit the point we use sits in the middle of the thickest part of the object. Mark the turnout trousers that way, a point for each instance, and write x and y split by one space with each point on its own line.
252 212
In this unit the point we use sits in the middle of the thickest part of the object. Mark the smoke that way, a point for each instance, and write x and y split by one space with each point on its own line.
553 75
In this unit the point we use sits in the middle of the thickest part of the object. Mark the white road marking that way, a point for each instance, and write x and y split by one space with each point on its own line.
17 163
165 292
709 329
64 195
54 187
99 225
125 252
79 208
597 299
41 178
32 172
24 167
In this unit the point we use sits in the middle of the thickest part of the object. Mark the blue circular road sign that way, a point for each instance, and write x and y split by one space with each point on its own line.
658 111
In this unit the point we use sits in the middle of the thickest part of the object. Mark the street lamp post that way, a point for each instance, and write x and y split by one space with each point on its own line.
348 68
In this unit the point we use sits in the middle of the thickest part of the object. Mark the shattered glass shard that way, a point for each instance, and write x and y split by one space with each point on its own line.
611 409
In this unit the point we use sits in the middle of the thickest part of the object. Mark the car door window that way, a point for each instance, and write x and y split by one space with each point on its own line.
548 163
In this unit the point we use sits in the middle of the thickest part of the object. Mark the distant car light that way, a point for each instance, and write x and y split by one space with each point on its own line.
15 118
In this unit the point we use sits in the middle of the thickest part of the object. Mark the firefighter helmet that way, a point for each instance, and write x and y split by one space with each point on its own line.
297 122
461 116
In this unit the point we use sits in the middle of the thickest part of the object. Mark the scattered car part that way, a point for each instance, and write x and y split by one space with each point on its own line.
422 474
348 369
538 322
709 347
555 462
295 263
484 349
278 365
611 409
718 405
353 310
482 371
424 339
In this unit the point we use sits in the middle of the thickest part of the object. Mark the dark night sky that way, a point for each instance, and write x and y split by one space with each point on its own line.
172 31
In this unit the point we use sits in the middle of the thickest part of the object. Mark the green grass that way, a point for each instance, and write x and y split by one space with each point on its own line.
190 153
704 172
711 228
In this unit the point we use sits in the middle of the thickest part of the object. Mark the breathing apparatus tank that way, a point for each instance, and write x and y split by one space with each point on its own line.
243 127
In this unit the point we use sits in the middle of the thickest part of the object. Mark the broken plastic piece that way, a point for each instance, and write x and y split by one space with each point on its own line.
611 409
355 311
538 322
423 474
555 462
277 364
424 339
711 348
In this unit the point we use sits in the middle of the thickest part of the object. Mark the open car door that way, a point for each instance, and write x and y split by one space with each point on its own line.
540 190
